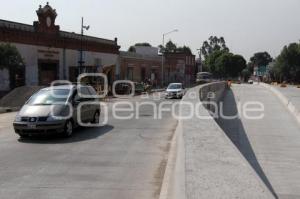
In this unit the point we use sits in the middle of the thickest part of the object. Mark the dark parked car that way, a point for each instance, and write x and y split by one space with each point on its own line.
48 110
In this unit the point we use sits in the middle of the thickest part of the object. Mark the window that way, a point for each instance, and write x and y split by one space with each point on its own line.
84 91
130 73
92 90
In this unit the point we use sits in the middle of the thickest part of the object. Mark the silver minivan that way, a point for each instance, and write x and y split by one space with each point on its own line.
54 110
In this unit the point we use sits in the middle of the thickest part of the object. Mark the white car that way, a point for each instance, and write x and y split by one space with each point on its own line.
175 90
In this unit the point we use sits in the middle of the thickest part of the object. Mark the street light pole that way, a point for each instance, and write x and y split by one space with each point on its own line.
162 56
81 62
200 61
162 61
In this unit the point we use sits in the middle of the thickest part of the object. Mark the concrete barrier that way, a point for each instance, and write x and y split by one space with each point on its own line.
204 162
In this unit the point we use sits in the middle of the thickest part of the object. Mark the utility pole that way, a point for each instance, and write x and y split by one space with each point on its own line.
81 62
162 56
200 60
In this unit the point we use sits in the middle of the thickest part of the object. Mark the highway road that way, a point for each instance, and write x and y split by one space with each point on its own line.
272 144
124 159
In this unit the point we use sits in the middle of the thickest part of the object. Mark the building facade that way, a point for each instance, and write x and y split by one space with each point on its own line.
143 65
180 67
50 54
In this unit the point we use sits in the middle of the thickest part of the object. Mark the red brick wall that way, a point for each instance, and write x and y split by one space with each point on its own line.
137 65
53 40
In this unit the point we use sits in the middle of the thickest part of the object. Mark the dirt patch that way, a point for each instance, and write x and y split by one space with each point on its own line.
18 96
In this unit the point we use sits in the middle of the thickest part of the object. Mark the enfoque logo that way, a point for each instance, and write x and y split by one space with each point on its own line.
128 109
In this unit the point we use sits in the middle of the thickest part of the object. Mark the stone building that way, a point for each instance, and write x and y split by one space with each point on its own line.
50 53
146 64
180 67
142 65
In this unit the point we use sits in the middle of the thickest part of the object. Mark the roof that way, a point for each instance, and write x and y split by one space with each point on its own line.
134 55
64 34
16 25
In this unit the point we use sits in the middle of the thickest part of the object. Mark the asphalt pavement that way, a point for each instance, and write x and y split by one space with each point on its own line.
124 159
292 93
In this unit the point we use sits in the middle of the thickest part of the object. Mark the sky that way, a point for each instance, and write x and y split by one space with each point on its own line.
248 26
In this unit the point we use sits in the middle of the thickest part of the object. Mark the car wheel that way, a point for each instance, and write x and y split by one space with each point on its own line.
96 118
68 131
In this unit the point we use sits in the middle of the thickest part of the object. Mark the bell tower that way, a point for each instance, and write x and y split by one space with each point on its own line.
46 20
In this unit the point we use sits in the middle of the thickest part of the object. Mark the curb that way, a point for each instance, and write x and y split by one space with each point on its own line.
167 182
285 101
8 109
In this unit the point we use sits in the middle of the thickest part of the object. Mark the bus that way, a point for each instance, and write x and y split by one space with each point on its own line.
203 77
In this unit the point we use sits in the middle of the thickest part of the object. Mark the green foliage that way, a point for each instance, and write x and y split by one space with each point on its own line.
246 74
261 59
210 61
184 49
238 64
11 60
143 44
212 45
287 64
132 49
172 48
225 64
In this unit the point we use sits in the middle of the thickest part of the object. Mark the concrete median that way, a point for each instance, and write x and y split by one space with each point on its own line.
203 162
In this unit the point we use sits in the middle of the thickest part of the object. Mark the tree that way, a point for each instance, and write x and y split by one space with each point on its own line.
246 74
170 47
184 49
11 60
132 49
248 71
229 65
143 44
238 65
210 62
287 64
212 45
261 59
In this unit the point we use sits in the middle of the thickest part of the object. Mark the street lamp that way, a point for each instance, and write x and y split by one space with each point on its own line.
200 60
81 62
162 57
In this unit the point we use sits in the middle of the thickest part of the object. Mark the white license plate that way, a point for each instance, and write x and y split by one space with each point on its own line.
32 126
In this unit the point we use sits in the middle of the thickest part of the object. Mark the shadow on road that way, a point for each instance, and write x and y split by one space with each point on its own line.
234 129
79 135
